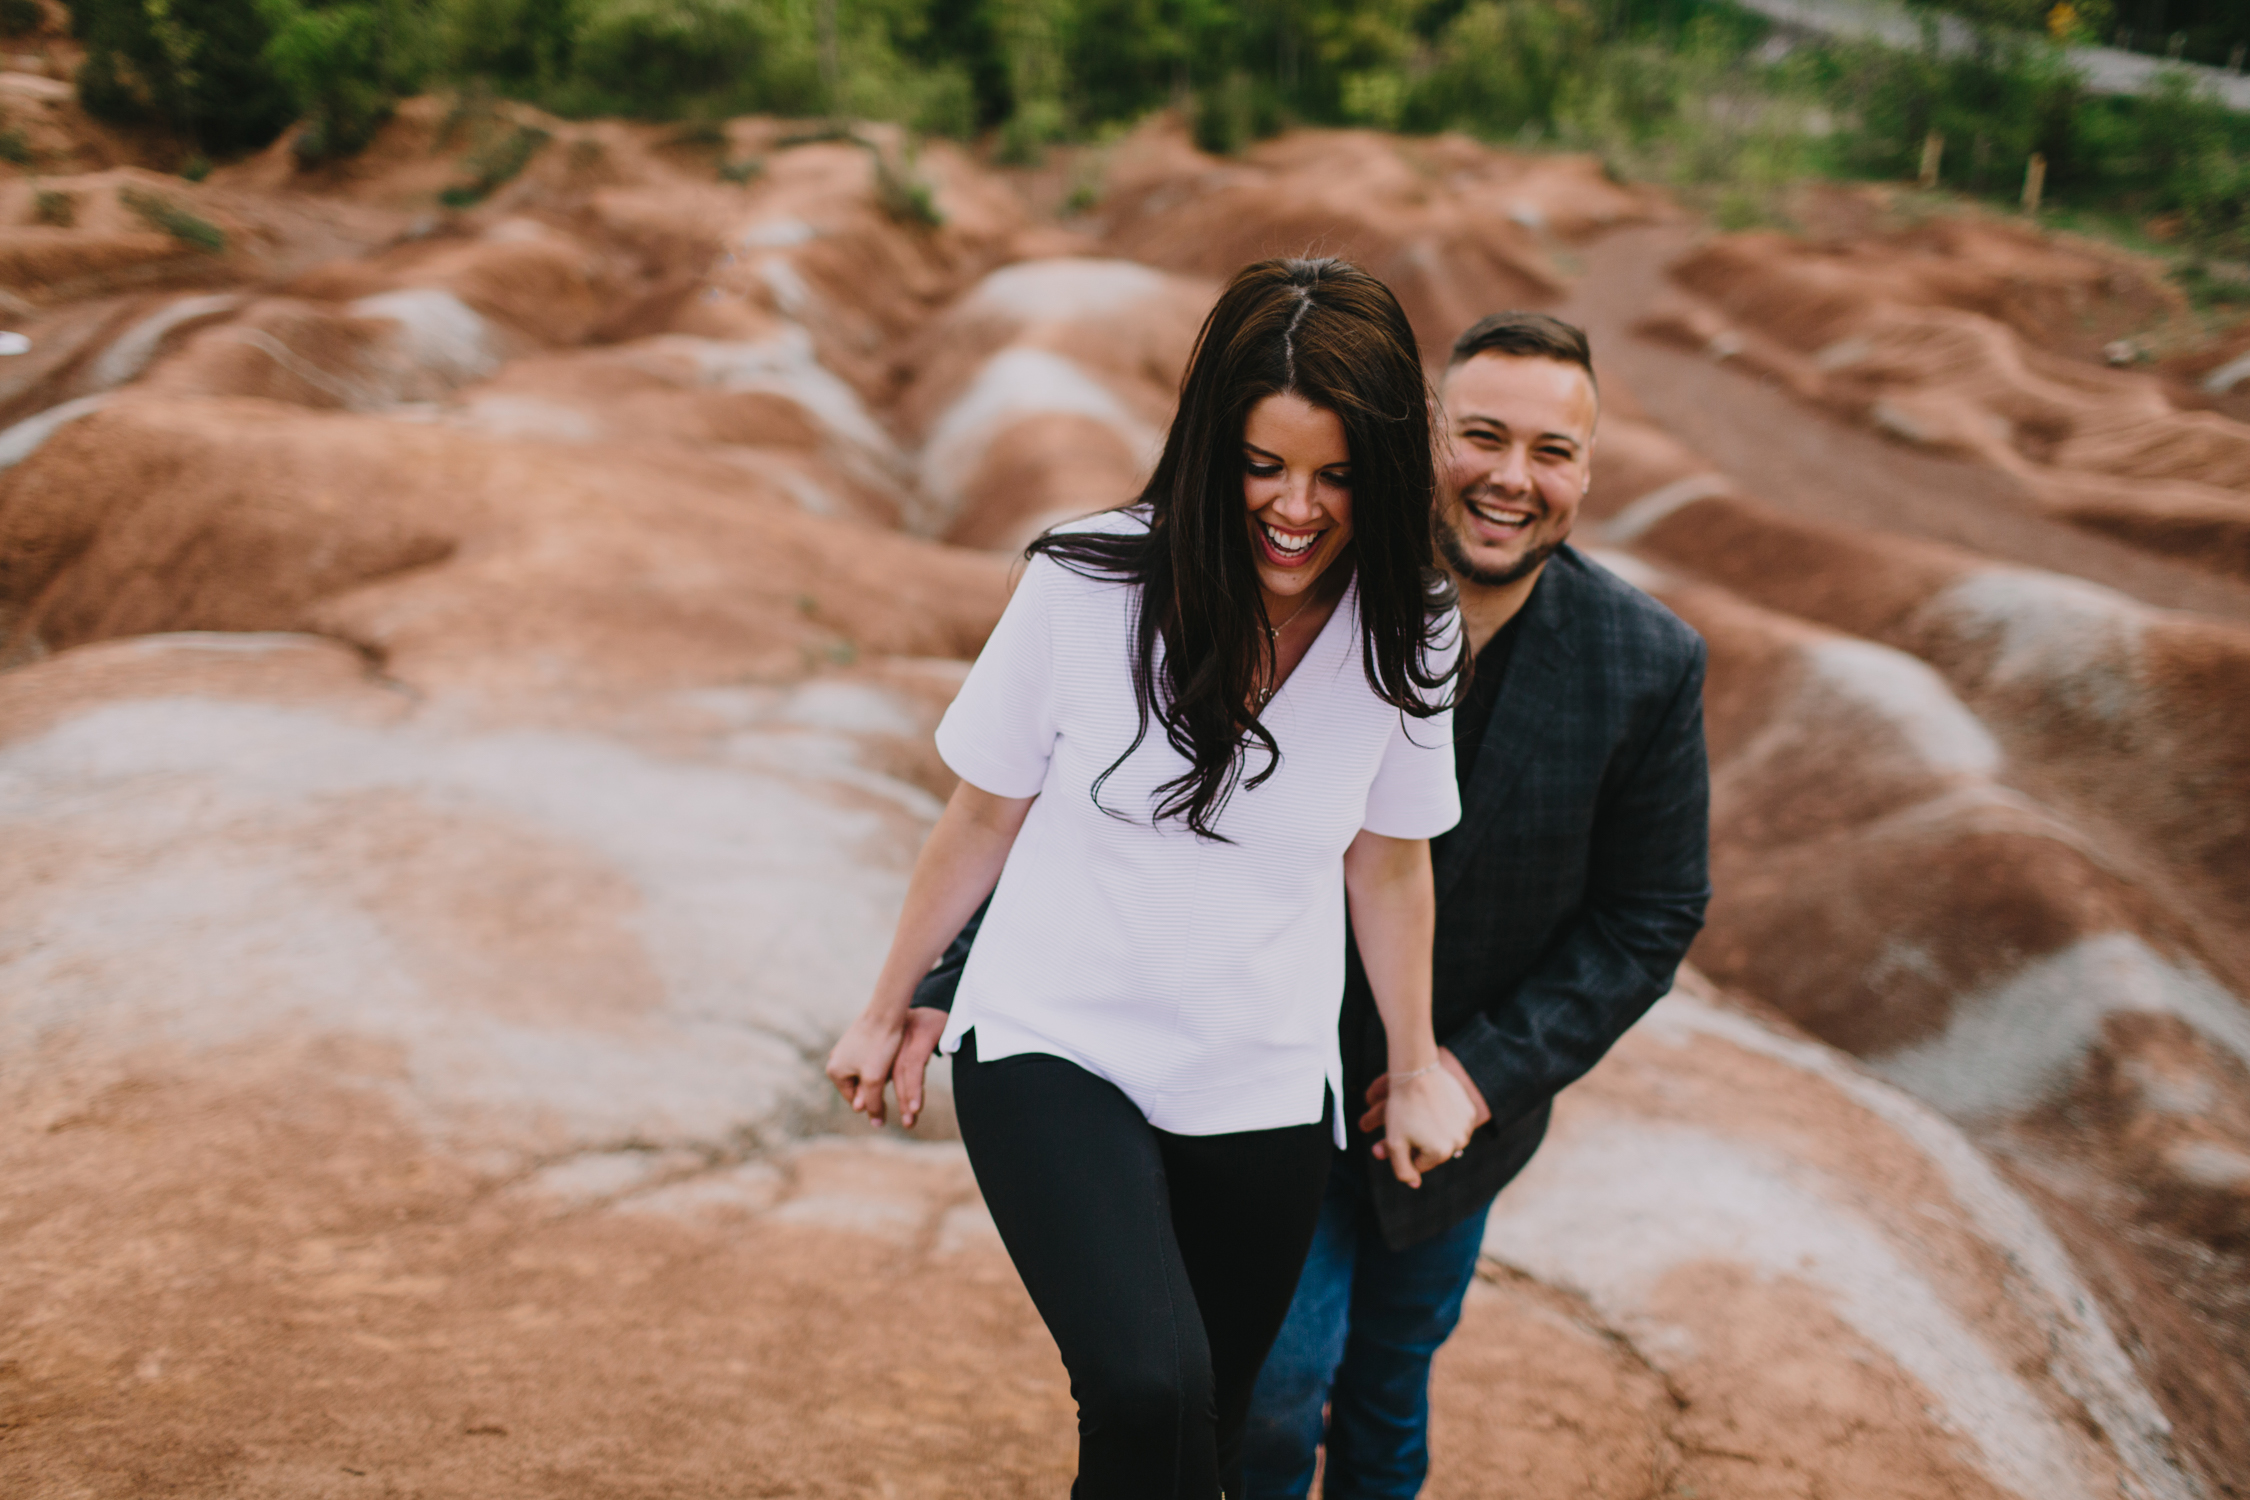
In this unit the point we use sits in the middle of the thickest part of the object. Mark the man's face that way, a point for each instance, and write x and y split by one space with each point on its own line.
1522 455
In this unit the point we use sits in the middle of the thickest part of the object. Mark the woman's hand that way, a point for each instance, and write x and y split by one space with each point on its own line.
1426 1120
924 1030
861 1063
955 870
1427 1114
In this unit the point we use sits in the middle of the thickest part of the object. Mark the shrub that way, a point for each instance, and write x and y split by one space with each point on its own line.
669 57
1995 106
2175 151
903 193
343 68
1233 110
496 163
194 67
521 46
160 212
2084 18
55 207
1504 65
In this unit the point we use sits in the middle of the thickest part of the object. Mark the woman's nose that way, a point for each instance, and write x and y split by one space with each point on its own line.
1296 504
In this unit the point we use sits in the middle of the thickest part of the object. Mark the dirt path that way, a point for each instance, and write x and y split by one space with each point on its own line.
1794 456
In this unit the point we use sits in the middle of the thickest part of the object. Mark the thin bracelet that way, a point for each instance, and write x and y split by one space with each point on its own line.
1417 1073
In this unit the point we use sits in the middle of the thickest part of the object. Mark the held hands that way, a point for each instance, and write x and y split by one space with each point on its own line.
924 1029
1425 1120
872 1054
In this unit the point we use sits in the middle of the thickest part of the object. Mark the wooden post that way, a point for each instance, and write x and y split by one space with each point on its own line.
2234 58
1933 152
2034 182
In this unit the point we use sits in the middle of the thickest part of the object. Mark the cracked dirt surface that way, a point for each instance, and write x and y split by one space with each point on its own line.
281 1289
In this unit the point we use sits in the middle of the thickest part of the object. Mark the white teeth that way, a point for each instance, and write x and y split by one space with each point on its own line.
1289 546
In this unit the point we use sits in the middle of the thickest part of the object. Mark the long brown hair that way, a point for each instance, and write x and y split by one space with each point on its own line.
1326 331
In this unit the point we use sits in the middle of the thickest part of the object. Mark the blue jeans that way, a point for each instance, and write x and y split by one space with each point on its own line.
1358 1339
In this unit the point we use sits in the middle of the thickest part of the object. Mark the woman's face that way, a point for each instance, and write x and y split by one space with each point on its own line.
1297 483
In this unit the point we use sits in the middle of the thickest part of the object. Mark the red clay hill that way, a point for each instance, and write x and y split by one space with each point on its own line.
468 648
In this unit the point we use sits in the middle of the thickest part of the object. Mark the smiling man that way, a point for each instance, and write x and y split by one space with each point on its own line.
1566 897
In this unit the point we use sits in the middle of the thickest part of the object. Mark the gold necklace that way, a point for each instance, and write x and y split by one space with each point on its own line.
1273 634
1273 631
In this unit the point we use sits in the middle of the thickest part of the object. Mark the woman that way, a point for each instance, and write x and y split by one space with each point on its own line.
1201 726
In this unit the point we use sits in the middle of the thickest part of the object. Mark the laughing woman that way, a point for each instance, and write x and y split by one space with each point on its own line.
1204 726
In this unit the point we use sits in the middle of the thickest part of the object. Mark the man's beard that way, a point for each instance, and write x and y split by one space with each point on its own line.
1465 567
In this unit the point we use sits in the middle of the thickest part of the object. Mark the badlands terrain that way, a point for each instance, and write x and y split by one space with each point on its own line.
466 675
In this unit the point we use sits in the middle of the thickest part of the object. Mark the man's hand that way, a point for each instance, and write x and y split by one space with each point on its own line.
1379 1093
924 1028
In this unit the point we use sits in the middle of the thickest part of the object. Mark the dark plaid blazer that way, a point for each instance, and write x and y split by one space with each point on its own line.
1568 892
1572 885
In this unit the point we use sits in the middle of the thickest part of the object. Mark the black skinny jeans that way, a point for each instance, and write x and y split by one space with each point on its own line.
1163 1263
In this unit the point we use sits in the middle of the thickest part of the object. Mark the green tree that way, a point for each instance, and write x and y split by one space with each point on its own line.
671 57
523 47
195 67
344 66
1504 65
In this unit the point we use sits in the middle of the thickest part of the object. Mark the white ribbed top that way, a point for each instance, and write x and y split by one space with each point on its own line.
1201 978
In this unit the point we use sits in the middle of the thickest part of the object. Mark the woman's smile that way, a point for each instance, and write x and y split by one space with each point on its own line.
1297 484
1288 549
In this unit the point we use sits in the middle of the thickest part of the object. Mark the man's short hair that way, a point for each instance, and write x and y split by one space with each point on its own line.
1525 335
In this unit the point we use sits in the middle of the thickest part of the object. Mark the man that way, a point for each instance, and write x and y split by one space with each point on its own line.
1566 896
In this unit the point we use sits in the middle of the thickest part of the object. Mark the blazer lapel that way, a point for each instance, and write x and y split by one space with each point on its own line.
1530 700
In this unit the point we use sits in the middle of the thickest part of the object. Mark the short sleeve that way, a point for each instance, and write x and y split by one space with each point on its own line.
1000 730
1415 794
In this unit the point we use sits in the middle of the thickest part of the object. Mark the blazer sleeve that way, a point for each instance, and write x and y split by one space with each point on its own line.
935 990
1648 881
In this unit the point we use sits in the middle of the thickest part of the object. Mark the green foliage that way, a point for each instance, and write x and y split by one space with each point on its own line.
902 193
1995 107
2082 19
494 163
14 146
525 46
1695 93
160 212
227 76
344 65
21 17
668 57
194 67
1505 65
2175 152
1233 110
54 206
